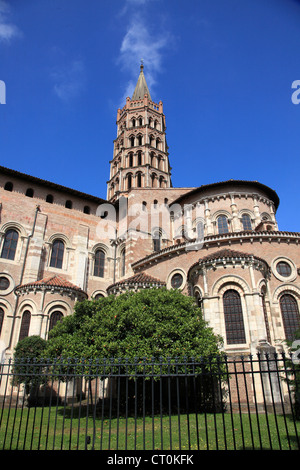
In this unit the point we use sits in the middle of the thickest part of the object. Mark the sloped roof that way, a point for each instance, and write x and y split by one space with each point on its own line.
50 185
226 254
52 281
141 88
270 192
138 279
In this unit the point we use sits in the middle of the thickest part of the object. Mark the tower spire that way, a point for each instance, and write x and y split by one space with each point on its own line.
141 88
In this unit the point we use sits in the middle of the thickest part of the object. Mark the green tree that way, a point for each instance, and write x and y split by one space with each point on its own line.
151 323
27 363
292 366
153 332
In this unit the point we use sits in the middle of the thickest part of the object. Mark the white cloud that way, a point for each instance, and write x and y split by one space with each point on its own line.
132 3
129 89
69 81
7 30
138 43
137 2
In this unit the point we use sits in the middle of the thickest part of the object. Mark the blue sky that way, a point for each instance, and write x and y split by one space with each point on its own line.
224 70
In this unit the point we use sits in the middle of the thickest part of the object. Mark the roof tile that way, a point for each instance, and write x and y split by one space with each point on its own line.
52 281
226 253
140 278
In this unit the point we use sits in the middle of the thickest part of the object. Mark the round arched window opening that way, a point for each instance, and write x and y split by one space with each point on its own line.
98 296
55 318
176 281
198 299
284 269
4 283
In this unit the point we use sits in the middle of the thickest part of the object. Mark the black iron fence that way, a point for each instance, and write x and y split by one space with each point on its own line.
219 403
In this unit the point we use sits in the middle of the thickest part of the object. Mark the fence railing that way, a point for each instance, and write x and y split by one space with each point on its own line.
213 403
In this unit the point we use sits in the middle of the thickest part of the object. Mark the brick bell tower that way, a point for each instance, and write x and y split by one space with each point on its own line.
140 158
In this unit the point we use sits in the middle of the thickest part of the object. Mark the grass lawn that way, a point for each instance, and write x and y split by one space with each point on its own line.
64 429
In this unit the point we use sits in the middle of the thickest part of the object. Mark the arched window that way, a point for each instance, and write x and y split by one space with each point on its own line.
290 315
160 164
25 325
222 224
157 240
29 192
129 181
49 198
99 263
246 221
200 230
10 244
123 265
1 319
86 210
68 204
152 158
139 180
8 186
56 317
98 296
234 323
57 254
130 159
153 180
198 298
139 158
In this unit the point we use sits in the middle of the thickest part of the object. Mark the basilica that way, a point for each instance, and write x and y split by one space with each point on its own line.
219 243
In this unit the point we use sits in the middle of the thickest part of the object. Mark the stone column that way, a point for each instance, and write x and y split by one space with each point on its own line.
234 211
82 256
35 250
256 210
269 373
272 212
209 226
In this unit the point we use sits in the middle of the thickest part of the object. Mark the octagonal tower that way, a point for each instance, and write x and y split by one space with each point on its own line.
140 158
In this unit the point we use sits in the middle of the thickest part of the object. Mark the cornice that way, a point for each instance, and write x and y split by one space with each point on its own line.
226 257
20 291
54 284
223 196
141 280
220 241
